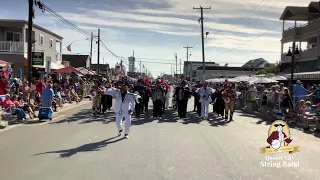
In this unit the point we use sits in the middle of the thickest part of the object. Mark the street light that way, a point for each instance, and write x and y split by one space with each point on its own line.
293 55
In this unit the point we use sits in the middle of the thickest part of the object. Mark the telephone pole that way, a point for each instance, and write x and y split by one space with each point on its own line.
140 68
187 69
180 67
91 51
176 56
98 51
187 52
202 39
30 39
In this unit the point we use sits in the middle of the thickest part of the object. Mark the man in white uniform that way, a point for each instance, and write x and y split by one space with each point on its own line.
124 106
205 100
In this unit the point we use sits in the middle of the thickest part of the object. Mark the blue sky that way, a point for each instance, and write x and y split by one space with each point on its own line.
157 29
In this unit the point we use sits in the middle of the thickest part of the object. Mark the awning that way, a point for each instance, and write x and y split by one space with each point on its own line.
4 63
68 70
305 76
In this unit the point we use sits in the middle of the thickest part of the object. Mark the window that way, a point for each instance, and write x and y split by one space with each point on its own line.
12 36
27 36
41 41
51 43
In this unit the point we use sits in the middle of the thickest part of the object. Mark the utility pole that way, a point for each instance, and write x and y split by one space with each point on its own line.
202 39
121 67
98 51
30 23
187 52
180 67
176 56
140 68
171 70
91 51
187 68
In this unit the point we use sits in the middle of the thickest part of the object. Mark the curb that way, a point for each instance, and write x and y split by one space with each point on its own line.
63 109
31 121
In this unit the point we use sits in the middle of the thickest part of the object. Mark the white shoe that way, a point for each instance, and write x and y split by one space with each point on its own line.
126 136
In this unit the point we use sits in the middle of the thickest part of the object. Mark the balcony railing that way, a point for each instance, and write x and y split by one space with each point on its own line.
302 29
9 46
305 54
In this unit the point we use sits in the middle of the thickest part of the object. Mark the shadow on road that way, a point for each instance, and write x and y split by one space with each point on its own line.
219 121
96 146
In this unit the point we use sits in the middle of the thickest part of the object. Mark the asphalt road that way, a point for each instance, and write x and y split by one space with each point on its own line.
77 146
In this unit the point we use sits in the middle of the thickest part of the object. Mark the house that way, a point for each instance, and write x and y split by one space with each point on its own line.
256 63
308 60
103 68
77 60
190 67
212 72
14 44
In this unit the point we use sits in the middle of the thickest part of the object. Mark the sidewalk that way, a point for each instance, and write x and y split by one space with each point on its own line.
65 107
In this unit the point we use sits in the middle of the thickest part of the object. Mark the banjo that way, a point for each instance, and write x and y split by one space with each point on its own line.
276 144
226 99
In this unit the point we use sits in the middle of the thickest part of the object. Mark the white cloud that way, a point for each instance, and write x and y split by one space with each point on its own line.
156 23
268 44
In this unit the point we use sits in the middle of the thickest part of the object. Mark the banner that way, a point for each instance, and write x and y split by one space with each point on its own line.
290 149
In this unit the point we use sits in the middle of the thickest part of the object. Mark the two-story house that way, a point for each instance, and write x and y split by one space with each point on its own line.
14 44
309 33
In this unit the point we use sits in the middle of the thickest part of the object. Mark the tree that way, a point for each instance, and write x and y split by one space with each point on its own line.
270 69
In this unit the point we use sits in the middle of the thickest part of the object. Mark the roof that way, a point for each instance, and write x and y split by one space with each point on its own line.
198 62
76 60
24 22
229 68
298 13
254 63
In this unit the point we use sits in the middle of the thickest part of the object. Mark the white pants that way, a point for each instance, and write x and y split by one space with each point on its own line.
167 102
127 118
205 109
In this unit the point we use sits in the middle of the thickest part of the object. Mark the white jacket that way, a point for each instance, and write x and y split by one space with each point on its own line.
205 94
122 107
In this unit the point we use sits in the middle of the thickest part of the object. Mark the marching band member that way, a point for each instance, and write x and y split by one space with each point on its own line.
168 91
182 95
140 90
96 93
229 96
124 107
158 95
205 99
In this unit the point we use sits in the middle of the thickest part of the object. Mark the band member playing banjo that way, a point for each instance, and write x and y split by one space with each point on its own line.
229 97
205 99
96 93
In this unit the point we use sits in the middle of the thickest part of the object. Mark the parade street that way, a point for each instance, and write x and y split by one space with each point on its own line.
77 146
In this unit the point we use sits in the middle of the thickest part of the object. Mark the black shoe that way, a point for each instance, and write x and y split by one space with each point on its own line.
120 131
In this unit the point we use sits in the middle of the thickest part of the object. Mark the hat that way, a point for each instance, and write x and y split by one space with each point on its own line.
298 82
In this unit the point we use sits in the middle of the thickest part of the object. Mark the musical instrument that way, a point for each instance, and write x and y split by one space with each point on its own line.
226 99
276 144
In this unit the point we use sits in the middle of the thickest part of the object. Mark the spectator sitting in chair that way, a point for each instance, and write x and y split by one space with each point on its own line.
10 107
24 106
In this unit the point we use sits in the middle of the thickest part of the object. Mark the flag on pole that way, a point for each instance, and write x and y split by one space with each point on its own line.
69 47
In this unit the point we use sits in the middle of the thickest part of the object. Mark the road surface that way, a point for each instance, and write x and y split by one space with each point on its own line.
77 146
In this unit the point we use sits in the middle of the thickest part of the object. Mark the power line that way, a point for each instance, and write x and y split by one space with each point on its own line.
46 8
246 42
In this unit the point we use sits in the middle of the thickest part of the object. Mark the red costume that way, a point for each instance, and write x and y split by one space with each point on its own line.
275 136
